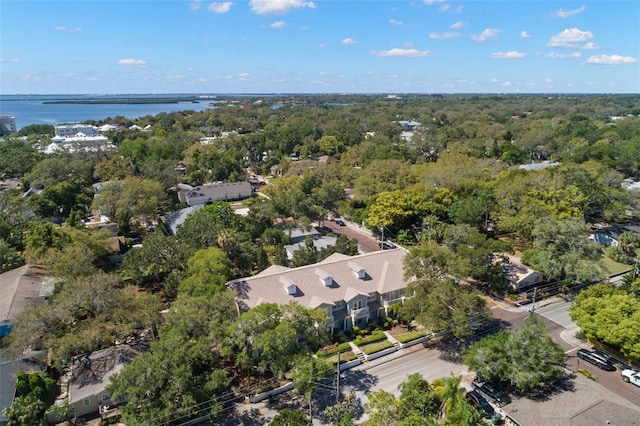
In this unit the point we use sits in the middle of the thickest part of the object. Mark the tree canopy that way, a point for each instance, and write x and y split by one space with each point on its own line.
525 357
611 316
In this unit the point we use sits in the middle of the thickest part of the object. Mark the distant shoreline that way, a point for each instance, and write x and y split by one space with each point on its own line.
124 101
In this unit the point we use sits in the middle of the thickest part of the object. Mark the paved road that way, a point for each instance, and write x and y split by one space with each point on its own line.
366 243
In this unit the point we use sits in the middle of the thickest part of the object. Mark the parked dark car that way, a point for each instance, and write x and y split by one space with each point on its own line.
386 245
491 391
340 222
596 359
481 404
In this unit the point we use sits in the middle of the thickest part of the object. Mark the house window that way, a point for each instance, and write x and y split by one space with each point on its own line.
394 295
87 401
357 304
104 397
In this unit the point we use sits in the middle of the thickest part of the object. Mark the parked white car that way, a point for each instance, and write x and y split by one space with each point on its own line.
631 376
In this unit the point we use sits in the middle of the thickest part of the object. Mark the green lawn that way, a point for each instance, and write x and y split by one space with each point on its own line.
409 336
372 348
614 267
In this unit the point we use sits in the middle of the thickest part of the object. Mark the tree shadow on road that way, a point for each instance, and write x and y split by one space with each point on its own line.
359 380
251 416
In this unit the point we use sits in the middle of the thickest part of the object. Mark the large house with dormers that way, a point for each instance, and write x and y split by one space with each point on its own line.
352 289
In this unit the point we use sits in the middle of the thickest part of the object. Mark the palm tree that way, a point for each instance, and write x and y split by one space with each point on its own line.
454 408
448 392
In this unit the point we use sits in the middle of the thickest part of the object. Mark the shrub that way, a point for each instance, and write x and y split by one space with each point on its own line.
588 374
376 336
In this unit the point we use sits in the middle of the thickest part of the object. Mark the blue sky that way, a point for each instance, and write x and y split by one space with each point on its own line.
324 46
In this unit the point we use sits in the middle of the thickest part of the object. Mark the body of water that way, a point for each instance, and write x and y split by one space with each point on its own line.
32 109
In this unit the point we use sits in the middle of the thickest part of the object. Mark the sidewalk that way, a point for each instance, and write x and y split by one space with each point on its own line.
569 336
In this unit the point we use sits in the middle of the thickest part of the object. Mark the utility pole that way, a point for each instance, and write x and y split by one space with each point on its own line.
338 380
532 308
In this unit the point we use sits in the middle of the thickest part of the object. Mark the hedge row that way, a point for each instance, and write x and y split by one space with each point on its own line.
376 336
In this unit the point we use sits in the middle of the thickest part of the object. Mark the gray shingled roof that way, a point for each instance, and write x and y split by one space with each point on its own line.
91 374
587 403
9 369
18 288
384 273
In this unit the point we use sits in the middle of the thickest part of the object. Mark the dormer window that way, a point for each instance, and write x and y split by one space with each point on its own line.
358 270
291 289
288 286
325 278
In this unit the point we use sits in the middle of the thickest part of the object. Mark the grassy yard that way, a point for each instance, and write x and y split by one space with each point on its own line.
614 267
344 357
409 336
372 348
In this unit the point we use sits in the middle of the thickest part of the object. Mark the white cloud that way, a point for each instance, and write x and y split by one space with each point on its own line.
444 35
243 76
561 13
195 5
458 25
278 24
430 2
395 22
349 41
524 34
570 38
407 53
508 55
132 62
67 29
591 46
223 7
554 55
444 7
458 10
9 60
548 80
305 28
611 59
487 34
278 7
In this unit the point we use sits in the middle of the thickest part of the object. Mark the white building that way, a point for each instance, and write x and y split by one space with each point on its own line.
78 137
220 191
7 124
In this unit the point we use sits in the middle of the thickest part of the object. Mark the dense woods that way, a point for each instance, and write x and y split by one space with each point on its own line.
439 175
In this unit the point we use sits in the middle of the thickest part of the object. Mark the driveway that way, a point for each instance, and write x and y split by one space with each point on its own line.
366 241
